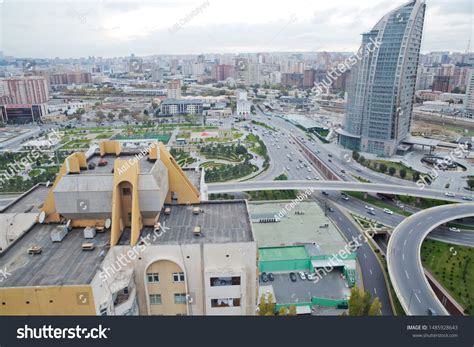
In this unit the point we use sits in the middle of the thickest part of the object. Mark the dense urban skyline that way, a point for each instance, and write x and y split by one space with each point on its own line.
103 28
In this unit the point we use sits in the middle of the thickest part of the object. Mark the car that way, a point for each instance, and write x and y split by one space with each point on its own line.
431 312
293 277
264 277
345 197
309 170
329 155
325 193
271 278
308 178
371 212
302 275
316 178
387 211
330 209
311 277
343 171
450 194
358 170
467 198
454 230
370 208
91 166
329 160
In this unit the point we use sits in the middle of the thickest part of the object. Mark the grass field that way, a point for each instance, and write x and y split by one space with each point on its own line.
453 267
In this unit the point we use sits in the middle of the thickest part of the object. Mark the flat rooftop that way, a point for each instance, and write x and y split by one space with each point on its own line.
220 222
28 203
60 263
295 229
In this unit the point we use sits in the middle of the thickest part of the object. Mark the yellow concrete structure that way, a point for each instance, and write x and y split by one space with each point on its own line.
125 204
49 300
73 164
180 187
110 147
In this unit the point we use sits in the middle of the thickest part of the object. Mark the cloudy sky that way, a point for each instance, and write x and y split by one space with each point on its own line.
74 28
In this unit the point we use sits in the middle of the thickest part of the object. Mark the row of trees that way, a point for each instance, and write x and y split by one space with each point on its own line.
362 304
384 168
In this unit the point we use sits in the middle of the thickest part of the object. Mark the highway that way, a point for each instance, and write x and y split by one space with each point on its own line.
372 273
404 259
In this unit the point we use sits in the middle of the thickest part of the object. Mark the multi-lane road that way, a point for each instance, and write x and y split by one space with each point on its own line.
404 260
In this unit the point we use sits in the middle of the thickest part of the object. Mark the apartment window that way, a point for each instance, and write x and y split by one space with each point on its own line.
180 298
153 277
155 299
178 276
228 302
225 281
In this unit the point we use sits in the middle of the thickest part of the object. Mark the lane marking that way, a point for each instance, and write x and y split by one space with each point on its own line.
406 273
403 256
405 242
375 291
370 271
365 256
417 298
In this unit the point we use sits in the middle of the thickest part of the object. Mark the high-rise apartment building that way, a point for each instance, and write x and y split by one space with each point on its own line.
30 90
382 83
174 89
470 92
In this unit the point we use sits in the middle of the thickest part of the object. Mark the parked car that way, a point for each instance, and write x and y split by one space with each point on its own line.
91 166
292 277
271 277
387 211
264 277
311 277
302 275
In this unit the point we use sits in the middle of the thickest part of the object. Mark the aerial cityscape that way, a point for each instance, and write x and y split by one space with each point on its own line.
193 179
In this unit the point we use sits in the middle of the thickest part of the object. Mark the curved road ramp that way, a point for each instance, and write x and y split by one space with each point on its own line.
404 259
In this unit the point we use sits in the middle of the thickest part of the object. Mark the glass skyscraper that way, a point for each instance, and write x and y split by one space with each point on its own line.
382 83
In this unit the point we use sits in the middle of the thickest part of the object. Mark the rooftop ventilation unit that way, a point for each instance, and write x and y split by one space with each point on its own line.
197 231
35 250
268 220
196 210
88 246
59 233
89 232
168 211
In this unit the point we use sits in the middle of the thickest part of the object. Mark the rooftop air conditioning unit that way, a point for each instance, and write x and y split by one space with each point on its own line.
88 246
168 211
59 233
196 210
197 231
35 250
89 232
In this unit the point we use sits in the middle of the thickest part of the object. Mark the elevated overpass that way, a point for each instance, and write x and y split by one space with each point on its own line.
321 185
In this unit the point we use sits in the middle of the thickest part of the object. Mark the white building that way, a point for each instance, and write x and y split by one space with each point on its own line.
470 92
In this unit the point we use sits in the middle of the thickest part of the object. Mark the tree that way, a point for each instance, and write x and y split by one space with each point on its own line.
383 168
266 306
355 155
403 173
292 310
282 311
375 308
100 115
392 170
361 303
416 176
470 183
361 159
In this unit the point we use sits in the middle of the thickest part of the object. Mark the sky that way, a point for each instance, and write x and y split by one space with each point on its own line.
108 28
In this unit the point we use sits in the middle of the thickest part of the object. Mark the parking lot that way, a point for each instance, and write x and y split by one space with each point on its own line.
329 286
